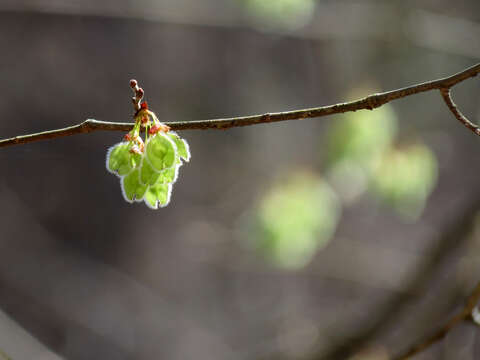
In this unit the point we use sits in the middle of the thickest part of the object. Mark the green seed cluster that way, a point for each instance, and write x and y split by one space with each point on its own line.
148 175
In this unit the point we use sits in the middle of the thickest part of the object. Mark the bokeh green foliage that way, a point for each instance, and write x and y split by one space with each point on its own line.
298 215
355 145
404 179
295 218
361 137
280 14
361 147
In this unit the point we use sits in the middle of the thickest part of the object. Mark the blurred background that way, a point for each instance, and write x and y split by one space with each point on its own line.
343 237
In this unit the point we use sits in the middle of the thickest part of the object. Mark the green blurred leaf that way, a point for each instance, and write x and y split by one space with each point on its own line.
283 14
295 219
405 178
356 143
361 137
349 179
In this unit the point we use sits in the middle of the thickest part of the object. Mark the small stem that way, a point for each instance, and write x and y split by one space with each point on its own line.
457 113
464 314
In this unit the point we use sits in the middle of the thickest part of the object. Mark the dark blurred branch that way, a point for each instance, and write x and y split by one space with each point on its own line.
453 235
464 314
370 102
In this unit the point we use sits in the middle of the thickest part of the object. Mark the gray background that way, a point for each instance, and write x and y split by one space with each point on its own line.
87 276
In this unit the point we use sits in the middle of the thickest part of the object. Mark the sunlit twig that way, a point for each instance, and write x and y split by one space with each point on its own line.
370 102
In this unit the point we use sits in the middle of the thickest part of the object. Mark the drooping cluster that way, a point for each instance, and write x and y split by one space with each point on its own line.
148 169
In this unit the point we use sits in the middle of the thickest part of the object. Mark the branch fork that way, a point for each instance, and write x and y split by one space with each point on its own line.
456 112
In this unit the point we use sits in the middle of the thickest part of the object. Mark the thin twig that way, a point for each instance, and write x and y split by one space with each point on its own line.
464 314
370 102
454 109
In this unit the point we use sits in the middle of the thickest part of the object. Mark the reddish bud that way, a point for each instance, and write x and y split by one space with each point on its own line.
158 128
144 119
133 83
127 137
154 129
139 92
144 105
165 128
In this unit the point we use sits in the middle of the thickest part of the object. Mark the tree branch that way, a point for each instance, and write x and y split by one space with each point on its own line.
464 314
452 237
370 102
454 109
